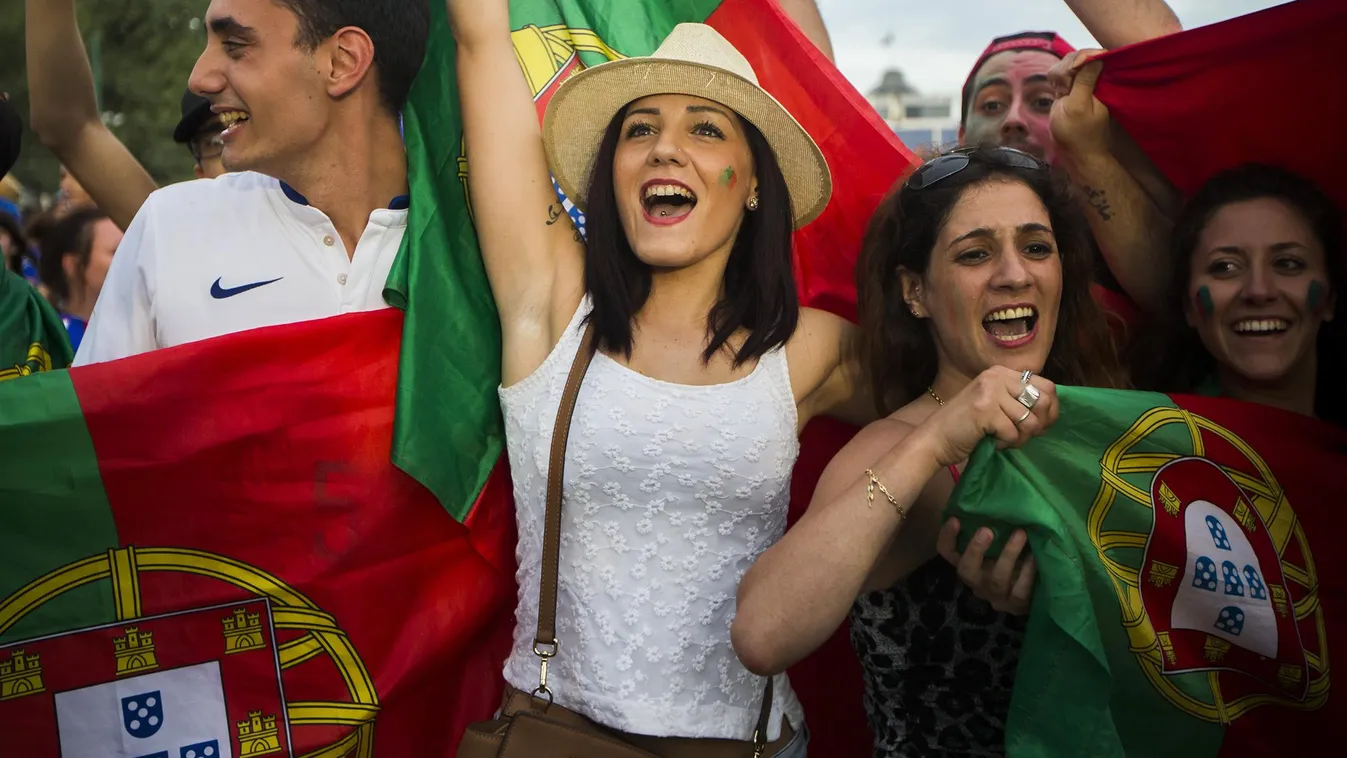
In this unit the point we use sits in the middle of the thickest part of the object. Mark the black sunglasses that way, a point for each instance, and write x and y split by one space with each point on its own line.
939 169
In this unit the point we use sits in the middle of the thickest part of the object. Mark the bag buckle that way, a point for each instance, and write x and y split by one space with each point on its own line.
545 656
759 744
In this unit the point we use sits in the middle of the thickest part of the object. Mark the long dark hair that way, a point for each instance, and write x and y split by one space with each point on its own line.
899 349
61 235
1169 356
758 292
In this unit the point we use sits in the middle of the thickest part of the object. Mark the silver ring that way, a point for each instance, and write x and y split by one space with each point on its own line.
1021 419
1026 376
1029 396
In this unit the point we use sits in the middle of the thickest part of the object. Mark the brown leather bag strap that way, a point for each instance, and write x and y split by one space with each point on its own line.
547 601
764 716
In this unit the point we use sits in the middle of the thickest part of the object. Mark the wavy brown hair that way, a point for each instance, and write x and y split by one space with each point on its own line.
899 349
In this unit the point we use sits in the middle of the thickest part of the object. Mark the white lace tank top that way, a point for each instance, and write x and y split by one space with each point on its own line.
670 493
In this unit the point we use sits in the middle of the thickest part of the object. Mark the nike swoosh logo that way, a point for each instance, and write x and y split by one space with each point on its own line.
220 293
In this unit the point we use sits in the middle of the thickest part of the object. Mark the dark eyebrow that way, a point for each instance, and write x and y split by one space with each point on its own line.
1036 79
983 231
707 109
1227 249
996 80
642 112
1282 247
227 26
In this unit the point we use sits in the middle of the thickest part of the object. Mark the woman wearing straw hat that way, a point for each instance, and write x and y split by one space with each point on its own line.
678 461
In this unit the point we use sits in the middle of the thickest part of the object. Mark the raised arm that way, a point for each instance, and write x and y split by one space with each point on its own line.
1130 227
806 15
64 113
1115 23
533 259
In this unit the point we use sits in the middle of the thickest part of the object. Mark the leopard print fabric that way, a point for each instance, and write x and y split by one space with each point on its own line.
938 663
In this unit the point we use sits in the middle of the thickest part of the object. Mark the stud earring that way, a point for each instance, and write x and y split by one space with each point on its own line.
753 203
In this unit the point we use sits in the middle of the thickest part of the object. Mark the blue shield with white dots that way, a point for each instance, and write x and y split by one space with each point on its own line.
143 714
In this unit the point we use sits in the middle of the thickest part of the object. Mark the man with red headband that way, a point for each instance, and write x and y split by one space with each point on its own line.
1007 99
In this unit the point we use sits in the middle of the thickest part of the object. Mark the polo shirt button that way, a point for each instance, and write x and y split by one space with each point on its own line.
341 279
329 241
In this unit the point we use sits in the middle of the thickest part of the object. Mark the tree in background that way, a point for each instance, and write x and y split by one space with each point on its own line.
142 52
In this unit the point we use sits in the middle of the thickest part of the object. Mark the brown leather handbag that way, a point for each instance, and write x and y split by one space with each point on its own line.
530 724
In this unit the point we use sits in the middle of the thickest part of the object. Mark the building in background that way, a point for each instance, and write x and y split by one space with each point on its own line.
924 122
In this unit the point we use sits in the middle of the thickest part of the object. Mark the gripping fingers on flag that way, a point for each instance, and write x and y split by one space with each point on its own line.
1005 582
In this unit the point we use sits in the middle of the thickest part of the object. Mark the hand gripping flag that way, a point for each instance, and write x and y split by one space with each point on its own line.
1191 581
448 433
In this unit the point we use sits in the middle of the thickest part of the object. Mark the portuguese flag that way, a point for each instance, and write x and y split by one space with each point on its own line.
208 546
448 432
1191 581
32 337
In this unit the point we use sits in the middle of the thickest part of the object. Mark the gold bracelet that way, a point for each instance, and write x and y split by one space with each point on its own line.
870 494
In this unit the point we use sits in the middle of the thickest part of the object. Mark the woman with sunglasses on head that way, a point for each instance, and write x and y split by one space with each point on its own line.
973 281
677 469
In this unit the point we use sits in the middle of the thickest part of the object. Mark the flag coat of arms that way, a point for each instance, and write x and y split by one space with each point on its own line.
1190 582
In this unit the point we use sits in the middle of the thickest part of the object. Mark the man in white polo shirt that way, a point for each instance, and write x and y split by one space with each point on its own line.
310 93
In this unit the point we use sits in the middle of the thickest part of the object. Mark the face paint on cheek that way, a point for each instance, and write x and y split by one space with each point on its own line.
1205 304
1314 298
728 178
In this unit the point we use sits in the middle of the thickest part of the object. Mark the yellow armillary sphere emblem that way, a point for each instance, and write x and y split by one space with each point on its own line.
547 54
289 610
1218 588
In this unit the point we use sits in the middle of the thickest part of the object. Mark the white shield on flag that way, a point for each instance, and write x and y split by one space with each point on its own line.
170 714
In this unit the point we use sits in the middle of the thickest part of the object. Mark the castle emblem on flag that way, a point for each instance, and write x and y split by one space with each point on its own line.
20 675
243 632
135 652
1222 585
179 684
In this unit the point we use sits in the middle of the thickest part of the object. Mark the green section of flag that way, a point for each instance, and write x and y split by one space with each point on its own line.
1070 697
52 506
32 337
448 432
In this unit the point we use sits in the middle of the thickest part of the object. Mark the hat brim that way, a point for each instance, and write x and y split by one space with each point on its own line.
190 125
587 102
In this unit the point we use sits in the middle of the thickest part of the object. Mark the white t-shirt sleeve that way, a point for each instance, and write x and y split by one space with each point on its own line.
122 323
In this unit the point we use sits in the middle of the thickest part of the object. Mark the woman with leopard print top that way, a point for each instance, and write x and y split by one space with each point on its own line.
973 279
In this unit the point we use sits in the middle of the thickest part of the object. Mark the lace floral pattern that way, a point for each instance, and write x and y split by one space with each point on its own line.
671 492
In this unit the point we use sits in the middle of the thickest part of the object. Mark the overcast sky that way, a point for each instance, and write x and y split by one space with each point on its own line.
935 42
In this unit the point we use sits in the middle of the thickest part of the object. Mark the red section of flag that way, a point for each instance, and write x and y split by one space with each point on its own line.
267 453
864 154
1186 99
1316 498
866 159
46 668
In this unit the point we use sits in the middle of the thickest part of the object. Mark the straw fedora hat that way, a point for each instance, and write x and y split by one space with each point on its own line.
693 60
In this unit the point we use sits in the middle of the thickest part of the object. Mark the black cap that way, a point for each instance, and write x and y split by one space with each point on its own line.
11 135
195 114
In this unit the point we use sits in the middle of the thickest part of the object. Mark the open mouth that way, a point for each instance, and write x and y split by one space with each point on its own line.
1011 326
232 120
667 202
1261 327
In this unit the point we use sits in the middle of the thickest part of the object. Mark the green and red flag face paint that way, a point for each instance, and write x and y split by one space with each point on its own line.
1190 581
219 525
